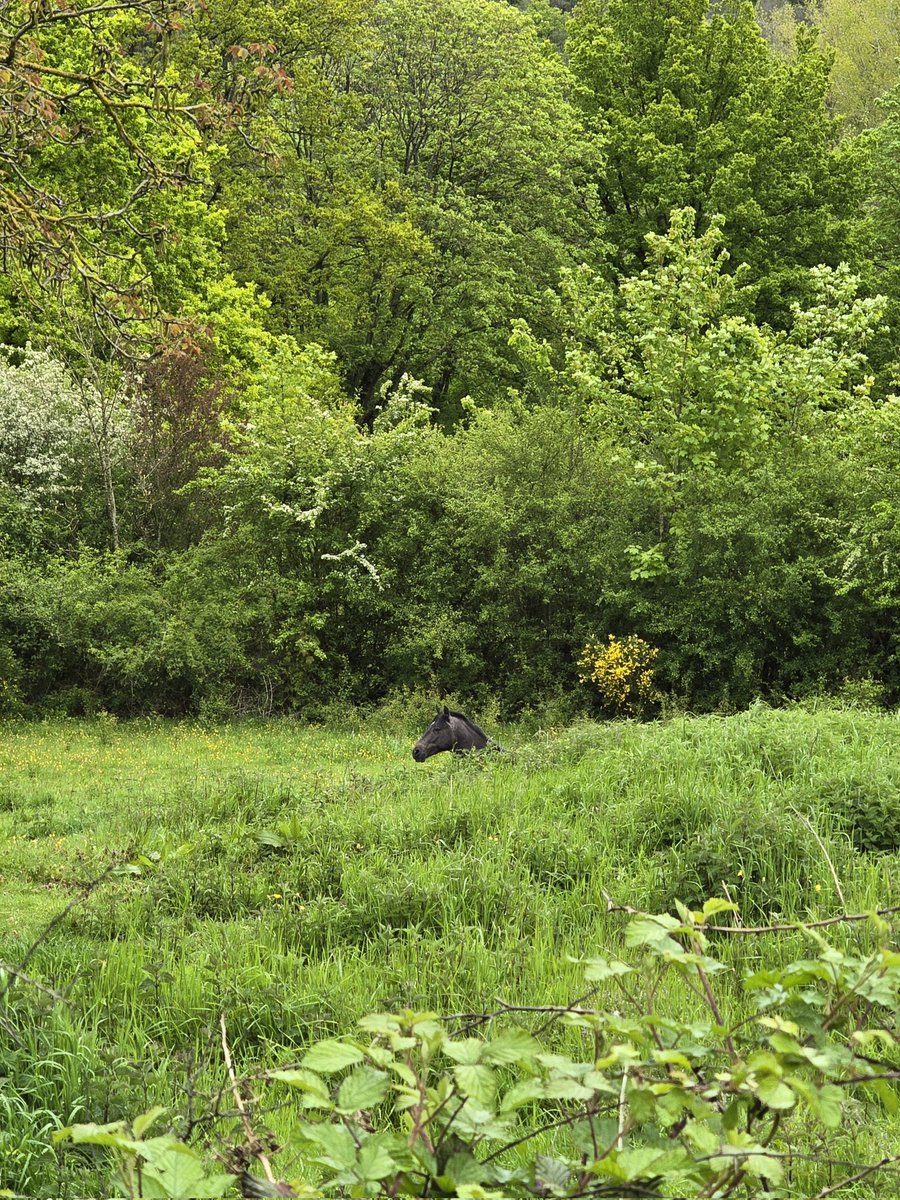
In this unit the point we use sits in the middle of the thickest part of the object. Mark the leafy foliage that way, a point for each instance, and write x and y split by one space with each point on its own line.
690 107
407 346
156 1168
702 1103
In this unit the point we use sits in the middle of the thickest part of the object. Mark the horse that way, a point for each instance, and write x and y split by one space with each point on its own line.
451 731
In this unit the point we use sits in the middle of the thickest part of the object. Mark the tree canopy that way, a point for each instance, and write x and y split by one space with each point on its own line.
350 347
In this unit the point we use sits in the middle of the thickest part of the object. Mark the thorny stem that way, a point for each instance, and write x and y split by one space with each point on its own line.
86 890
792 927
711 1000
828 1191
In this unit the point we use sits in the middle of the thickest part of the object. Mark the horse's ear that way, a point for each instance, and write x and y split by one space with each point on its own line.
446 711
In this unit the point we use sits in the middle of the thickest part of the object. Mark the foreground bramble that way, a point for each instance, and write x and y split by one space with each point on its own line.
741 1095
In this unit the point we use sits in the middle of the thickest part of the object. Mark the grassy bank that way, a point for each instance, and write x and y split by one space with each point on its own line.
295 878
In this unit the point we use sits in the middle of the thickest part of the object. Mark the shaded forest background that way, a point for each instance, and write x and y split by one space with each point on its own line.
354 347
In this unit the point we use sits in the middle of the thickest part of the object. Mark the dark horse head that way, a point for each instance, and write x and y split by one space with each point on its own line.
449 731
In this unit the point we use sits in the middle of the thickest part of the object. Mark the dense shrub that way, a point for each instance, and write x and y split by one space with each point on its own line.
866 804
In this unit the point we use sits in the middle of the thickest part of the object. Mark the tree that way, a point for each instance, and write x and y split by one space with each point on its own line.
60 433
178 429
865 41
885 216
675 374
106 145
729 430
38 411
691 107
421 198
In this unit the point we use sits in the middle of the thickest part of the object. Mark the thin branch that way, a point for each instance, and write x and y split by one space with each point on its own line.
253 1142
737 1152
873 1078
41 987
85 891
569 1119
836 1187
792 927
711 998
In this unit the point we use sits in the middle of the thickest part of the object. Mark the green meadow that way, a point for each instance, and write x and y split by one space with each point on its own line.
295 878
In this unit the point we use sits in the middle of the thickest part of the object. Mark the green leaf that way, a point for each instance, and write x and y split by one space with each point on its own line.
464 1050
316 1090
567 1089
701 1138
775 1093
866 1037
599 969
383 1023
462 1168
673 1057
179 1173
551 1173
381 1056
526 1091
114 1134
886 1092
827 1101
142 1123
764 1167
336 1146
362 1089
476 1080
654 932
785 1044
375 1159
404 1073
717 905
512 1046
590 1135
331 1056
640 1162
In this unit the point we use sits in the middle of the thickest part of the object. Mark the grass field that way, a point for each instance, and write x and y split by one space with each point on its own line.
295 878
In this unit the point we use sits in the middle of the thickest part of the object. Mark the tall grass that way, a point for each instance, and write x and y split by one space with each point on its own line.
297 877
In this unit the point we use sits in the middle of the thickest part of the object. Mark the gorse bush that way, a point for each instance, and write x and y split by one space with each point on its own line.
622 670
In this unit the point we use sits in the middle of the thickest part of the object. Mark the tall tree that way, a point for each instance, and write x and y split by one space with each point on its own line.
423 200
675 375
93 131
865 41
885 215
691 107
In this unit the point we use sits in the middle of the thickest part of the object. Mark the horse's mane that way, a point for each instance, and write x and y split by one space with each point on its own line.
470 723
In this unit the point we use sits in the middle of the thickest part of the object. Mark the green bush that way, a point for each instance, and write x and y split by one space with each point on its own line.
10 682
866 805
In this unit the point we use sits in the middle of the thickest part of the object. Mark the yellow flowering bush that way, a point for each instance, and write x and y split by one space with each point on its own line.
622 670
